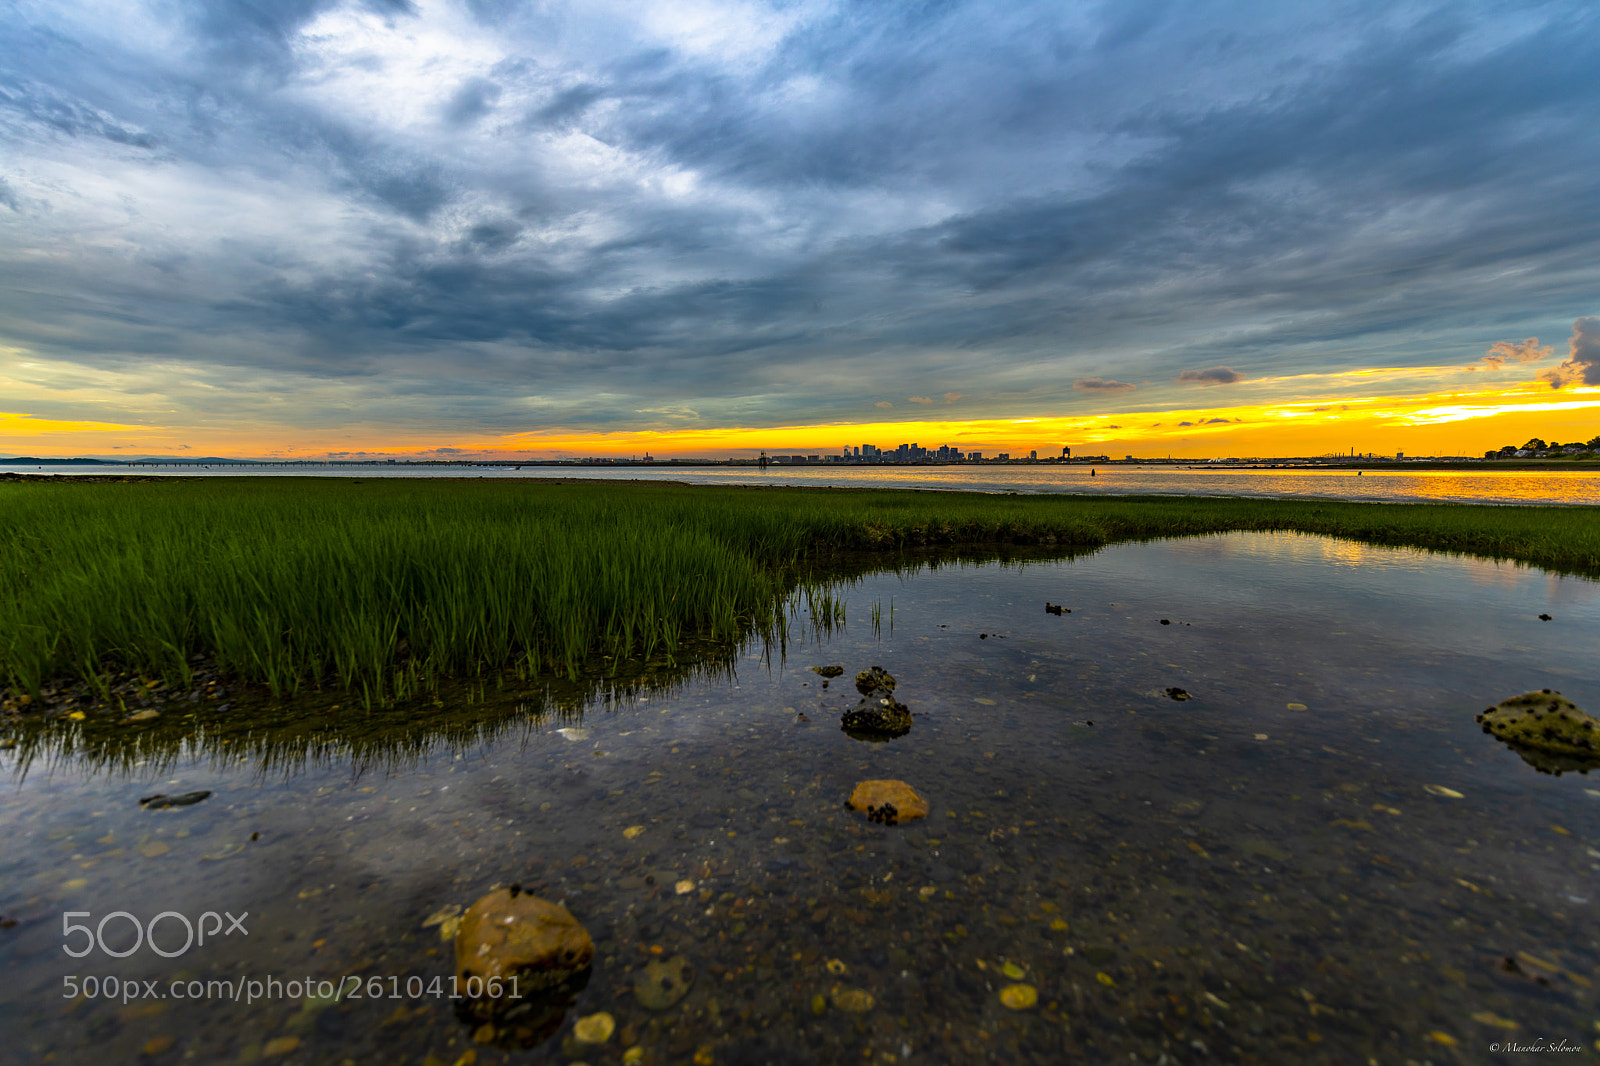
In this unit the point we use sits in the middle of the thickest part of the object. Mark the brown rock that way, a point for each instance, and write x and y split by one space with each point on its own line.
508 934
898 794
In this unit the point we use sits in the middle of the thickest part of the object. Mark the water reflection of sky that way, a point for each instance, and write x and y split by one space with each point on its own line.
1394 486
1274 843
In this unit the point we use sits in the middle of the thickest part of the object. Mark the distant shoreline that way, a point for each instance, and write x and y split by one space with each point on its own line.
1486 465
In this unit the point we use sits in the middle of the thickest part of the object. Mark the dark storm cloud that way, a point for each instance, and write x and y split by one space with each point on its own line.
1583 357
908 198
1217 375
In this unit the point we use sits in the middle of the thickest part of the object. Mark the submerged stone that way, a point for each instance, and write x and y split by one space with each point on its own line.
508 934
185 799
663 982
852 1000
595 1029
1019 997
1547 730
828 671
870 796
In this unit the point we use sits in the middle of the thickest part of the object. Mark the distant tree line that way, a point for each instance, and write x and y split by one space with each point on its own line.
1538 449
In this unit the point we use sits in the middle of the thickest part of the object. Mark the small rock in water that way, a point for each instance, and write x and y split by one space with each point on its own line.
663 982
1179 694
879 716
852 1000
1166 621
1054 608
442 915
902 798
1548 722
874 680
1545 618
595 1029
828 671
144 716
185 799
875 717
1019 997
508 934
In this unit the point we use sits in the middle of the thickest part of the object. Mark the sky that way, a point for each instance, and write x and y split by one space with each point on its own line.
442 228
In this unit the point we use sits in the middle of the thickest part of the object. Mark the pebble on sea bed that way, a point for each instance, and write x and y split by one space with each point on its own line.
1019 997
852 1000
594 1029
509 933
871 796
663 982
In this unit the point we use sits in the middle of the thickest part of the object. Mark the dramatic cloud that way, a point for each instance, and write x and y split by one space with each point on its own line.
1523 351
1583 357
1217 375
490 216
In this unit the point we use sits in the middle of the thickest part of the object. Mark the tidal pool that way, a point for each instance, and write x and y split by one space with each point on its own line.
1319 857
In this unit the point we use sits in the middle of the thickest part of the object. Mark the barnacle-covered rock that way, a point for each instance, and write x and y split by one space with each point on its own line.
875 680
877 717
1550 724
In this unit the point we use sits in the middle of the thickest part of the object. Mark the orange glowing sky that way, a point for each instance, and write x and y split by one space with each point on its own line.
445 228
1465 413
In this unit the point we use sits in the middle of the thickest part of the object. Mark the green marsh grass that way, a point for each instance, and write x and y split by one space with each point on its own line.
382 588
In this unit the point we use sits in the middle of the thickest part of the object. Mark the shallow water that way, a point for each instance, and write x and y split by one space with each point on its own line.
1399 485
1261 873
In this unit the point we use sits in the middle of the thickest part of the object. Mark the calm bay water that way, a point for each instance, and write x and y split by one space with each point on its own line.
1396 486
1317 858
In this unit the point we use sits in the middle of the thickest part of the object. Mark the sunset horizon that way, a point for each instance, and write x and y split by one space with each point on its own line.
435 228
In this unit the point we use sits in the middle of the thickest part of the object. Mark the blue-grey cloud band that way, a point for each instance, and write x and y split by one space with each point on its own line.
541 214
